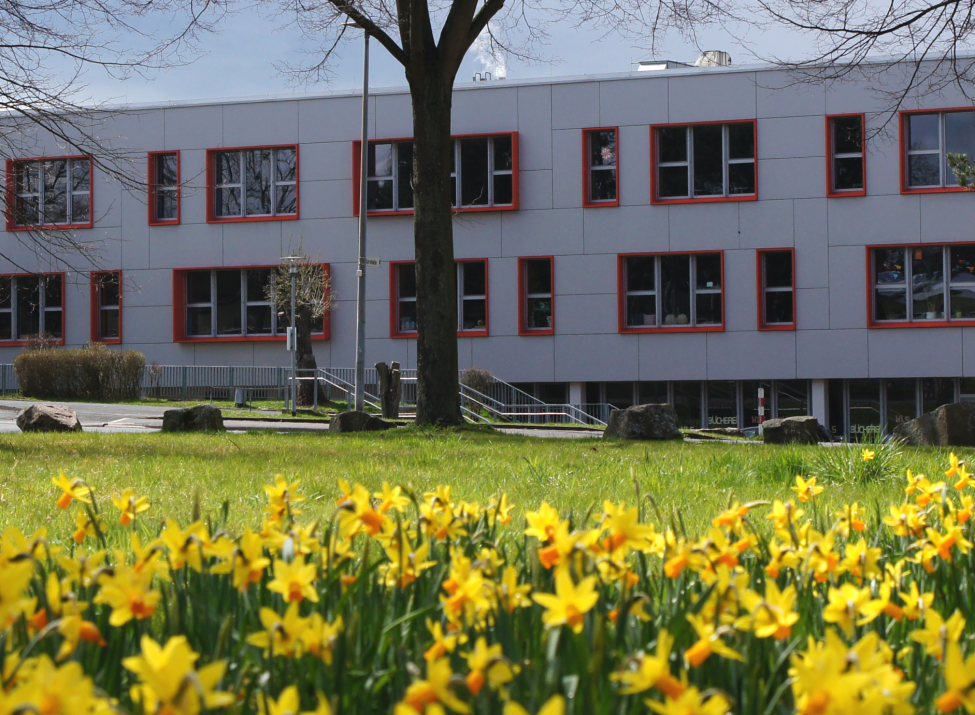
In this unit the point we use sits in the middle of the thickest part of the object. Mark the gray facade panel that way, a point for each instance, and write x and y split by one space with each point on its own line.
639 102
922 352
742 356
575 105
715 97
767 224
527 359
705 227
778 94
260 124
812 243
832 353
874 220
627 229
792 137
677 356
596 357
486 109
847 302
535 127
812 308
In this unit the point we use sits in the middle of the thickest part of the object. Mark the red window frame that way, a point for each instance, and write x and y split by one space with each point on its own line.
946 323
830 191
179 310
523 328
12 193
95 308
64 311
760 288
587 201
394 330
515 182
623 328
153 221
902 127
656 201
211 185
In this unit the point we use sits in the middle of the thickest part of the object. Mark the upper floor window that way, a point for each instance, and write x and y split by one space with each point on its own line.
846 155
483 174
777 289
671 291
31 305
253 184
49 192
106 306
705 162
535 283
927 139
600 152
472 298
164 187
232 303
922 285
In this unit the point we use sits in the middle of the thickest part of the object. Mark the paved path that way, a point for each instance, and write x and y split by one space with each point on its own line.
111 418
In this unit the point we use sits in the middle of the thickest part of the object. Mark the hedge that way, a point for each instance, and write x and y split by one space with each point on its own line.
93 372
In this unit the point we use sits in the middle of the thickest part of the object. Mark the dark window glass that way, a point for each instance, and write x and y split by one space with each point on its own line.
592 393
672 144
865 418
708 270
503 189
286 199
962 294
380 160
228 302
778 269
619 394
165 170
80 175
901 402
502 153
474 315
741 178
474 278
407 280
749 400
257 282
708 309
108 324
675 288
602 148
708 160
936 391
791 399
259 319
165 205
379 195
924 170
228 167
198 287
928 286
640 273
28 306
538 280
837 409
553 393
286 164
474 171
4 292
539 313
257 182
847 173
922 132
404 160
959 138
673 182
6 326
778 307
652 393
56 191
687 403
53 291
641 310
890 296
847 135
741 141
602 186
108 289
198 321
722 403
227 202
539 275
53 323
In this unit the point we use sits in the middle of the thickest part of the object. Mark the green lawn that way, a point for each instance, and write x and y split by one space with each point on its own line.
695 479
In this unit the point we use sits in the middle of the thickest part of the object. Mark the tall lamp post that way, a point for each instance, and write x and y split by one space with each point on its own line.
360 301
292 263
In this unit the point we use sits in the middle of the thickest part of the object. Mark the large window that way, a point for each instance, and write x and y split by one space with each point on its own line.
49 192
253 184
535 284
472 298
846 156
922 285
232 304
600 149
31 305
164 188
672 291
710 162
776 289
927 138
483 174
106 306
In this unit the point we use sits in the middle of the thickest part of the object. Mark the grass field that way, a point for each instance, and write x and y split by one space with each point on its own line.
696 480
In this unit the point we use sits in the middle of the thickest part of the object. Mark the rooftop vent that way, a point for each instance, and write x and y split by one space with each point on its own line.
656 65
713 58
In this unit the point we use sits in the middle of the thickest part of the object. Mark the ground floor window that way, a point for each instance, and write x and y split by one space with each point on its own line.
31 305
862 409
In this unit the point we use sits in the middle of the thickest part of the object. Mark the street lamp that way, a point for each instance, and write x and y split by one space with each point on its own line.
360 301
292 262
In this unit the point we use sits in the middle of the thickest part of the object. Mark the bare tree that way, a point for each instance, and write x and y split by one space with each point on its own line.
430 39
47 47
313 301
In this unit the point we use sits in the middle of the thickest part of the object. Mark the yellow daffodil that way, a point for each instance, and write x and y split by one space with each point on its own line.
487 665
185 547
430 694
643 672
938 633
542 523
692 702
129 594
570 603
442 643
87 524
130 506
709 642
555 705
293 580
281 636
807 490
845 604
71 489
771 615
14 581
282 498
959 681
499 510
391 498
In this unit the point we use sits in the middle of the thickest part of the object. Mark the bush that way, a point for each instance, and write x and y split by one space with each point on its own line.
477 379
93 372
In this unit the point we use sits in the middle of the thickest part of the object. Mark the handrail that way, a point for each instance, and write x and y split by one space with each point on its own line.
337 381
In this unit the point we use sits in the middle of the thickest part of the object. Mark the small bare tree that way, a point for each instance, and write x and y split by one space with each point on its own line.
313 301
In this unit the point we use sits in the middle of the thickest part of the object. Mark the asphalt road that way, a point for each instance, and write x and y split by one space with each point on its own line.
110 418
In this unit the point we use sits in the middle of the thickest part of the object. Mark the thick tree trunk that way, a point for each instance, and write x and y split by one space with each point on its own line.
438 401
305 358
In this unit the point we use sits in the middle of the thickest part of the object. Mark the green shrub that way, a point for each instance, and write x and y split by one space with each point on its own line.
93 372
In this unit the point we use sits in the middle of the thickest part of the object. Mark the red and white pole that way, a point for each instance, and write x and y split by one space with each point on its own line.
761 407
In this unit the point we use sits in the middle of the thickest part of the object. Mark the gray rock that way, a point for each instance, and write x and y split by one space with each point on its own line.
358 422
48 418
643 422
947 426
791 430
202 418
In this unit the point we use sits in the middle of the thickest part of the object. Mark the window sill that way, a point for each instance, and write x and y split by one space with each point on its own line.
168 222
600 204
764 328
935 190
704 200
22 343
464 210
460 334
954 323
243 338
50 226
674 329
853 193
527 332
107 341
245 219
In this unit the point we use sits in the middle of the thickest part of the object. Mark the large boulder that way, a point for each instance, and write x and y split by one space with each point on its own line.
358 422
643 422
202 418
947 426
48 418
791 430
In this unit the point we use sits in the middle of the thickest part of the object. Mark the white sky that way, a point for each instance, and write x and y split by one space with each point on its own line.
239 61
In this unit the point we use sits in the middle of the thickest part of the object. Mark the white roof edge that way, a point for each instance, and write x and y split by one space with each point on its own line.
470 86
